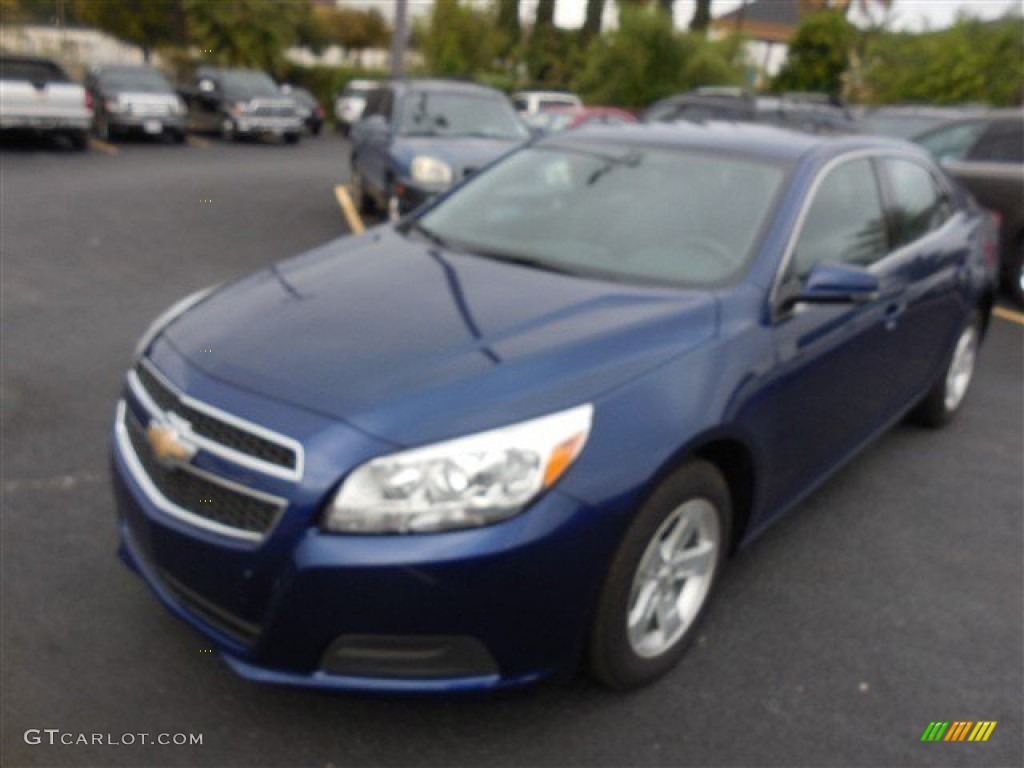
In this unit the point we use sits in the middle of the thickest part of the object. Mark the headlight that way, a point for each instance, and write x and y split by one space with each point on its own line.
168 316
462 483
430 170
238 108
178 108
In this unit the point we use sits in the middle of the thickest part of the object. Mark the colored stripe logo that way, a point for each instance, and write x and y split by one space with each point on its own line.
958 730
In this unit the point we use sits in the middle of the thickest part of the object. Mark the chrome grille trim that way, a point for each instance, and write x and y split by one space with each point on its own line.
219 449
139 474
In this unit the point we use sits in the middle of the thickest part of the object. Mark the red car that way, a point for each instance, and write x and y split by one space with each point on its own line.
564 118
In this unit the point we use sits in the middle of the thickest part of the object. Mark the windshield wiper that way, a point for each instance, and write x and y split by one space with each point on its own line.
431 235
526 261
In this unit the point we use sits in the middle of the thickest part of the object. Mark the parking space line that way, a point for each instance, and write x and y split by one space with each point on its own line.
1009 314
198 143
355 221
102 146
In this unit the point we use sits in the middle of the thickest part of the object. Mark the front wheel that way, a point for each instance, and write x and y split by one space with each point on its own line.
291 138
79 140
1016 275
661 578
947 394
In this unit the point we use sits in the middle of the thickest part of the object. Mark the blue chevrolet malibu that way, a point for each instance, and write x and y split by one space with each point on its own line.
525 427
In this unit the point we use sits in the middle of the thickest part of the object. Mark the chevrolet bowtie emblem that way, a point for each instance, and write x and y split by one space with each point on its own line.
168 445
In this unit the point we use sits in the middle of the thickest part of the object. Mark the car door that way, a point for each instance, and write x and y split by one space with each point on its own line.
837 366
935 249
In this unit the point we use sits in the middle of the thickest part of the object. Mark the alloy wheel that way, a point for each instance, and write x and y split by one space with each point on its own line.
961 367
673 578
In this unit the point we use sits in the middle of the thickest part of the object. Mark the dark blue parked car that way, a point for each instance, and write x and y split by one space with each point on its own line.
526 426
417 138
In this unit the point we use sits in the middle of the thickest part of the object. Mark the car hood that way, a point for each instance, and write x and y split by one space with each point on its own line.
461 153
413 344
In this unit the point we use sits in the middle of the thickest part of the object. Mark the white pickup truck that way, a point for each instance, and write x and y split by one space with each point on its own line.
37 96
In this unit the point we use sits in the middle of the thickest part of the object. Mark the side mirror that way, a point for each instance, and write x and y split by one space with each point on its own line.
835 284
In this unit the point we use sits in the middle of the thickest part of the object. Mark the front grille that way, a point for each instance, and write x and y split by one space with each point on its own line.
199 496
265 110
215 429
150 109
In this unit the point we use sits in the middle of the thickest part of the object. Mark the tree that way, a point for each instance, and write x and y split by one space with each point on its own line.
545 18
645 59
972 61
508 19
458 39
819 54
146 23
592 21
249 33
701 16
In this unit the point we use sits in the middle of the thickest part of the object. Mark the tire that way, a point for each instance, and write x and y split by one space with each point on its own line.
79 140
1015 275
228 130
363 200
630 645
179 137
291 138
949 390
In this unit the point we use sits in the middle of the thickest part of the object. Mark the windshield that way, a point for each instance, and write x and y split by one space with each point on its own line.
634 213
248 85
138 80
457 114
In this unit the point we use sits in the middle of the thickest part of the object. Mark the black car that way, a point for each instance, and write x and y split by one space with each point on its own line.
235 103
129 99
986 154
310 110
814 112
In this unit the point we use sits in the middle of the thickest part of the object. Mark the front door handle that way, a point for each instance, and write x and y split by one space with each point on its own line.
893 313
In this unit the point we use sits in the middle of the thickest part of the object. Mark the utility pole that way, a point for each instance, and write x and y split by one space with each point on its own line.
399 38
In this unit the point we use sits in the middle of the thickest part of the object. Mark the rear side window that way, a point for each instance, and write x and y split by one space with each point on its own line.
844 224
1002 142
920 204
39 73
952 142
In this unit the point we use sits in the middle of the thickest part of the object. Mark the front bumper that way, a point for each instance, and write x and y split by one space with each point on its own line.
276 126
12 122
411 195
152 124
518 594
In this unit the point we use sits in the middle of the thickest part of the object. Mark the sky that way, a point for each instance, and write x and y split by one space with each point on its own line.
907 14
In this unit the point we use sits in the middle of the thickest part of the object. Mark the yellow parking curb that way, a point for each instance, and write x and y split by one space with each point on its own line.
198 143
102 146
355 222
1009 314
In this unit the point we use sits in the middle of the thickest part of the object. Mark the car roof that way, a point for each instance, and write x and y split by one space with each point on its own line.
440 84
748 139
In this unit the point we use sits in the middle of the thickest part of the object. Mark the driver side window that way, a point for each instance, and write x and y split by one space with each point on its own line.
845 223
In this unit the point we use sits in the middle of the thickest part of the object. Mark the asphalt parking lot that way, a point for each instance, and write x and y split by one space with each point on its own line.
891 598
